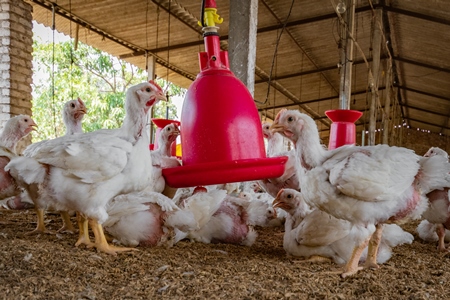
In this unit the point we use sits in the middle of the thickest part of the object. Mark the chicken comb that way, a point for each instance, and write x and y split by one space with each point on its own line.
155 86
81 101
279 114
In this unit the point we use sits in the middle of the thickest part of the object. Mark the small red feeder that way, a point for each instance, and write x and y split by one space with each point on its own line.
221 136
160 124
343 129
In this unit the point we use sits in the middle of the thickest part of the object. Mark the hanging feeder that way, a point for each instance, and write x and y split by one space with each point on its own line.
221 136
160 124
343 128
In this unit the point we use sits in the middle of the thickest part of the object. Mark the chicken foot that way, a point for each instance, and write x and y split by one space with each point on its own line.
372 251
40 227
352 265
83 237
101 243
67 224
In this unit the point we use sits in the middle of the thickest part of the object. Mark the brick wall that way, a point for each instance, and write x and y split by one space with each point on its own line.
16 46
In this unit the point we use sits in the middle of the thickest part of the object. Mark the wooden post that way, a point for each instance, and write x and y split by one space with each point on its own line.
373 81
387 103
150 62
346 53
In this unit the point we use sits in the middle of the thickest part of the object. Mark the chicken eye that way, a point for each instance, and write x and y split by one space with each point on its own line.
148 90
26 120
289 196
290 119
72 105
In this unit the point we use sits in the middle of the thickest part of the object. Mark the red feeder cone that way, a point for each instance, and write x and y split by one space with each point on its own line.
343 129
221 136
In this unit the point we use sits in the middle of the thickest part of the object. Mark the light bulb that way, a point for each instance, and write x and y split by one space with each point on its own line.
340 7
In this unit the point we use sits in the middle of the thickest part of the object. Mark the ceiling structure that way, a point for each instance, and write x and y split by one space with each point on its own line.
305 73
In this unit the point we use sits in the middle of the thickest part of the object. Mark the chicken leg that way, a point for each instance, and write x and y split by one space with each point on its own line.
40 227
83 237
372 251
100 240
352 265
67 224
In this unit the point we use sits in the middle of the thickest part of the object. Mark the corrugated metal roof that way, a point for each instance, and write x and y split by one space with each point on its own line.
305 73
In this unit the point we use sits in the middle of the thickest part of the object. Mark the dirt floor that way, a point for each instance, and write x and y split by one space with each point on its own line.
48 266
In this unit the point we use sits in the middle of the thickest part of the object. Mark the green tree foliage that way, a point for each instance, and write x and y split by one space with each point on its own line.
99 79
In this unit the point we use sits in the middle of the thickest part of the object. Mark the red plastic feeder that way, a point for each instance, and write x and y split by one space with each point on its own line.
343 129
160 124
221 136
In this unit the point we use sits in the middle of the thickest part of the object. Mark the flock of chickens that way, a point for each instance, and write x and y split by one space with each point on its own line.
342 205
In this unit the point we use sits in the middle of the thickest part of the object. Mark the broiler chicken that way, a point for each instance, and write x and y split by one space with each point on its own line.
72 114
317 236
275 147
151 219
83 172
438 212
234 221
14 130
162 158
369 185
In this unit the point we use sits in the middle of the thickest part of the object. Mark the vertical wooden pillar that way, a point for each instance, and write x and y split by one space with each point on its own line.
387 103
150 61
346 53
373 84
242 40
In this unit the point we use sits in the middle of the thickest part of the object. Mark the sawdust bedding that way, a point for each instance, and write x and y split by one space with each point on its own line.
48 266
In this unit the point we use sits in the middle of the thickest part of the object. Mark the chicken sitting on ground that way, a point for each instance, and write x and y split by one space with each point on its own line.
317 236
428 232
369 185
83 172
275 146
151 219
14 130
162 158
438 212
72 114
233 222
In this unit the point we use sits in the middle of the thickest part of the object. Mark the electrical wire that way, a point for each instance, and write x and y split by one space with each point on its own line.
275 53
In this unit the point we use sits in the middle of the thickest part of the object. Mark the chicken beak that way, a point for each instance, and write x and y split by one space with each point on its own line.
176 131
277 202
160 96
82 108
276 127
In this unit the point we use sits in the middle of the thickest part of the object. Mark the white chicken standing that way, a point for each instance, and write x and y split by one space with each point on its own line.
316 235
72 114
438 213
162 157
275 147
368 185
14 130
84 172
151 219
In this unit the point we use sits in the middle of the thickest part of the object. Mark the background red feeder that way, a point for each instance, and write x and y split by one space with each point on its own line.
343 129
221 136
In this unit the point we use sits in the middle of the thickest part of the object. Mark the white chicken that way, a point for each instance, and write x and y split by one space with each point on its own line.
275 147
14 130
83 172
316 235
438 212
368 185
428 232
72 114
162 158
234 221
152 219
